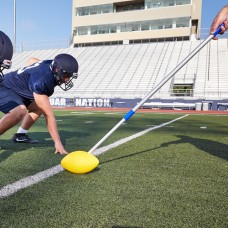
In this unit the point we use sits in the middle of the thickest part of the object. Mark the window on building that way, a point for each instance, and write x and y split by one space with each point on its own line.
82 31
124 27
103 29
154 3
165 3
168 24
94 30
145 25
95 10
129 6
134 26
158 24
107 8
83 11
129 27
183 2
154 25
92 10
112 28
182 22
171 3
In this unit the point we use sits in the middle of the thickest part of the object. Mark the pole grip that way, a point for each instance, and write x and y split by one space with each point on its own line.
129 115
218 29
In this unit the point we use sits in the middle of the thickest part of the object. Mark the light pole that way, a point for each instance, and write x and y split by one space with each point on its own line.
14 42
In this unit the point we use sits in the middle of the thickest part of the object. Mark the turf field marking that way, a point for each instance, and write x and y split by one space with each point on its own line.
10 189
82 113
124 140
89 122
29 181
156 125
113 113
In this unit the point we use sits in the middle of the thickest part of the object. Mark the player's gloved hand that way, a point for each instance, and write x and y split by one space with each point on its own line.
59 148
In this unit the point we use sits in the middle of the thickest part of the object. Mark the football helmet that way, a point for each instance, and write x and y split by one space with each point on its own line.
6 53
65 69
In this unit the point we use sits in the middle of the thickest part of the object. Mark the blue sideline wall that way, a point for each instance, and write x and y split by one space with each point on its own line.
130 103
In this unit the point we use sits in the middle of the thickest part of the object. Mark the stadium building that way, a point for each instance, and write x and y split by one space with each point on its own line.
108 22
126 48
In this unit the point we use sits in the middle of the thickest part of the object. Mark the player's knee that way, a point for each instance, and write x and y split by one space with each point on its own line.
19 115
11 118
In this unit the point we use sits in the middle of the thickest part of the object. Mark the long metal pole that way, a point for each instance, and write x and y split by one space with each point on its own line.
156 88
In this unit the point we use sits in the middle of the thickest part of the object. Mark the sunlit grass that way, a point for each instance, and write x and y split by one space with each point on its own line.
175 176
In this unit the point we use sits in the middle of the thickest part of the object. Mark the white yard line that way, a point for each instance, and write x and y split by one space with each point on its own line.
29 181
124 140
89 122
82 113
38 177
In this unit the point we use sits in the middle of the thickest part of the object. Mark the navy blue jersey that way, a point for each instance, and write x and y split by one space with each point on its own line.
37 78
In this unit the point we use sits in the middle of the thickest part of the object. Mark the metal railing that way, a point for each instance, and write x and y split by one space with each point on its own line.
68 42
45 44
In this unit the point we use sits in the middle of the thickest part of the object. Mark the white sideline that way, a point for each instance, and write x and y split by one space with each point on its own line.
34 179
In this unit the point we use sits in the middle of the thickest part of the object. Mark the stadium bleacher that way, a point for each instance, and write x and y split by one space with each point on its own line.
131 71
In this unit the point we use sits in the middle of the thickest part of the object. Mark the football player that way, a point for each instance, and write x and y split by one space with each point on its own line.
6 53
24 96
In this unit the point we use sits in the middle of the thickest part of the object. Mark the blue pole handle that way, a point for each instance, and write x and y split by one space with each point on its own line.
218 30
129 115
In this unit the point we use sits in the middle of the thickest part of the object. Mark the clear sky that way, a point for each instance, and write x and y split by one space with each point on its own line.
37 20
210 9
47 20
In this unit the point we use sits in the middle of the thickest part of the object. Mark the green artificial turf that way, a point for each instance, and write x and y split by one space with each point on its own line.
175 176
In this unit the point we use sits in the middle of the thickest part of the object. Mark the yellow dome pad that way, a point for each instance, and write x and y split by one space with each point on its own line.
79 162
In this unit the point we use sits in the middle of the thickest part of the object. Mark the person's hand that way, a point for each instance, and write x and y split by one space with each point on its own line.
221 18
60 149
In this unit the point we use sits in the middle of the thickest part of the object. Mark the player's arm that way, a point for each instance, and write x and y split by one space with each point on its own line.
31 61
221 18
43 103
